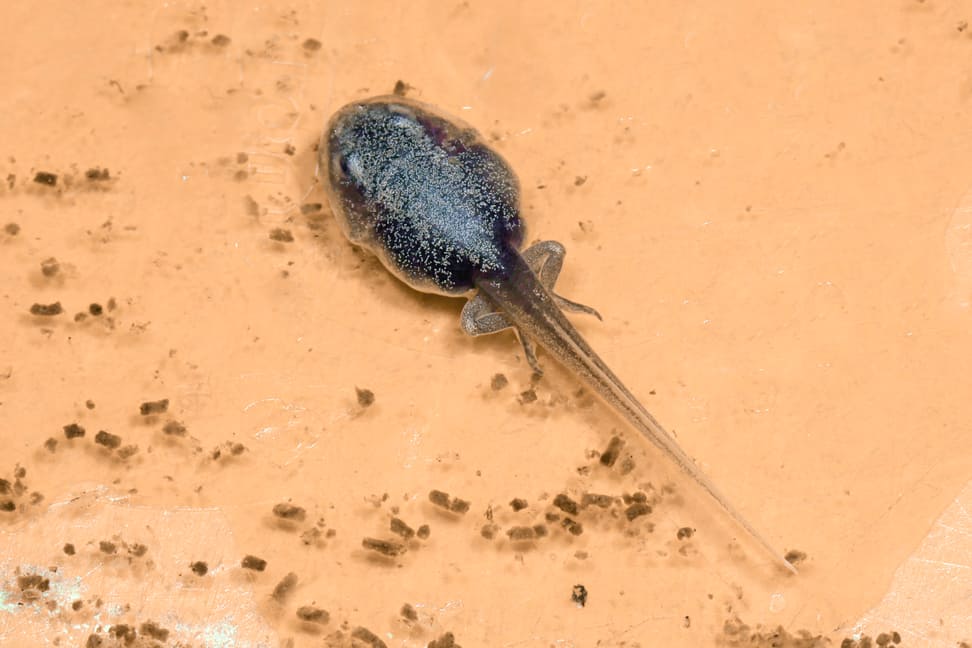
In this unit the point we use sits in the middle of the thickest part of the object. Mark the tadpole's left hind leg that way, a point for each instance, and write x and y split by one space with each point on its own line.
546 258
481 317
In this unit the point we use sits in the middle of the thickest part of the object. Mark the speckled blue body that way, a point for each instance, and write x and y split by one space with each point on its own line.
426 195
440 209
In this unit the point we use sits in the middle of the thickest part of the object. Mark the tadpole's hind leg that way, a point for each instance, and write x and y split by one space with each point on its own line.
481 317
546 258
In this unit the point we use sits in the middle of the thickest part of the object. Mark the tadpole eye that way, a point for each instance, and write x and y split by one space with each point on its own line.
342 163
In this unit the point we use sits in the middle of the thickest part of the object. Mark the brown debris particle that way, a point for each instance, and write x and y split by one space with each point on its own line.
366 397
527 396
46 310
107 439
312 614
127 451
685 533
285 587
636 510
489 531
154 407
447 640
367 636
498 382
50 267
311 45
253 563
69 549
795 556
138 550
45 178
94 641
573 527
281 235
566 504
290 512
579 595
398 527
423 532
33 582
613 451
384 547
593 499
408 612
123 632
459 506
401 88
96 174
13 229
521 533
221 40
108 547
174 428
199 568
73 431
7 506
518 504
154 630
95 309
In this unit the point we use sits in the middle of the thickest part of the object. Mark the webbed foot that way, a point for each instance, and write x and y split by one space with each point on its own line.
480 316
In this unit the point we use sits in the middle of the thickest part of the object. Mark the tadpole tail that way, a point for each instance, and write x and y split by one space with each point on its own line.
531 308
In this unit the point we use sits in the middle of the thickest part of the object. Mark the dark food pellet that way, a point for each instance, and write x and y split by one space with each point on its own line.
369 637
95 309
573 527
498 382
579 595
290 512
107 439
408 612
636 510
312 45
366 397
384 547
174 428
46 310
313 614
45 178
685 533
613 451
284 588
281 235
448 640
154 407
423 532
69 549
398 527
199 568
254 563
77 605
795 556
565 504
154 630
518 504
7 506
73 431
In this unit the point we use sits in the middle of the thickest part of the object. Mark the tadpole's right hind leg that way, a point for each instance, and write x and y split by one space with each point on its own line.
546 259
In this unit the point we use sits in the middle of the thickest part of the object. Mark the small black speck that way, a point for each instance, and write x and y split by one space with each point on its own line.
579 595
